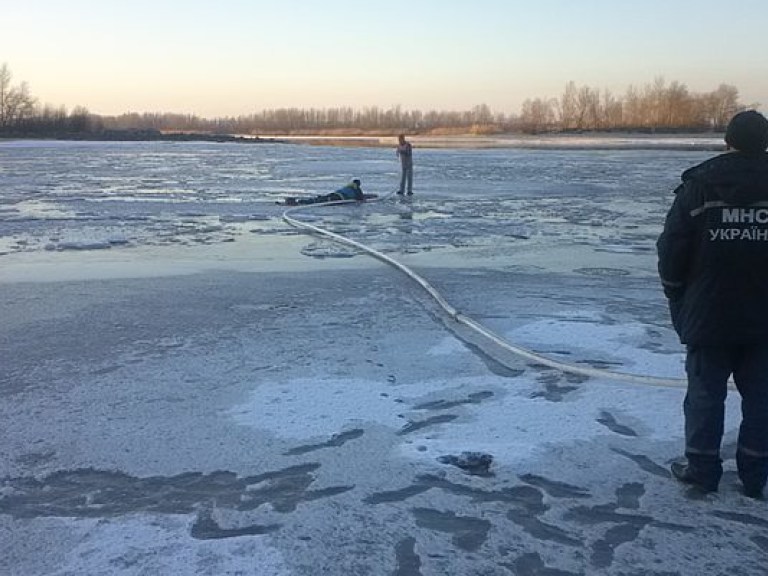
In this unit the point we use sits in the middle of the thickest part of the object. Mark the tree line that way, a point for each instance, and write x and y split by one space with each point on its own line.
655 107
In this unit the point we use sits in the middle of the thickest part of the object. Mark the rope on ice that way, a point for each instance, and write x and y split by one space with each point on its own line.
468 321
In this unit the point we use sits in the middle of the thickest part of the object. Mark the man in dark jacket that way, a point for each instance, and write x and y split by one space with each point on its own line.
713 263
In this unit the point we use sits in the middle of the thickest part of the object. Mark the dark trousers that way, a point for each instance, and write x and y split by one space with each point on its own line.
406 177
708 370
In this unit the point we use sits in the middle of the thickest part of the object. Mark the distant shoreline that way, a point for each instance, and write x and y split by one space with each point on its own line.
142 136
586 141
589 141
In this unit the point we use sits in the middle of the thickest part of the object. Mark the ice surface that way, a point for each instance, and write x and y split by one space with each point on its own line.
190 386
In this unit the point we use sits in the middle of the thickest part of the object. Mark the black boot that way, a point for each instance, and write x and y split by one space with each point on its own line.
755 491
704 480
752 473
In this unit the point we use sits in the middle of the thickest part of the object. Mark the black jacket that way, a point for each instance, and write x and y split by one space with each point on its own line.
713 252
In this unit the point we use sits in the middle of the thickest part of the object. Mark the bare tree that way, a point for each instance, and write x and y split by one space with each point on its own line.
481 114
568 107
612 111
5 89
721 105
588 101
676 106
16 103
537 115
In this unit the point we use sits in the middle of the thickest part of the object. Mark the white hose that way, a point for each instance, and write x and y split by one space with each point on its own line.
466 320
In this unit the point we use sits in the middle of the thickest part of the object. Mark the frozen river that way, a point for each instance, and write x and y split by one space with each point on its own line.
188 385
60 196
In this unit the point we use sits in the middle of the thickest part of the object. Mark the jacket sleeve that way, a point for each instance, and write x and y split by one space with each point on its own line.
676 245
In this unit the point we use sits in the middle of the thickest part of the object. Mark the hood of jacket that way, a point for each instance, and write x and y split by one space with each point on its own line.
735 177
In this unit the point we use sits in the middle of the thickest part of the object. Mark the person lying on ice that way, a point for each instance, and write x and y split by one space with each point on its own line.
351 191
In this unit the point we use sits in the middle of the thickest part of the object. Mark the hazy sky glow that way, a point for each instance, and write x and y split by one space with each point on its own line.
234 57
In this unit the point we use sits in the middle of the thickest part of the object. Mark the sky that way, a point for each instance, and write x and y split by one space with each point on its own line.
238 57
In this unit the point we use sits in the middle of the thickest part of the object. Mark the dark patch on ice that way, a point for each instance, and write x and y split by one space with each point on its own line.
609 421
603 549
532 525
469 533
553 391
645 463
575 378
397 495
526 496
474 398
323 256
243 218
601 271
745 519
554 352
206 528
90 493
531 564
408 562
474 463
608 514
605 513
493 365
628 495
761 542
62 246
426 423
35 458
323 250
106 370
626 529
555 488
601 364
335 441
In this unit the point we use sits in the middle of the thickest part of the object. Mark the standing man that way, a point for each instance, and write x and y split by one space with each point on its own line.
713 263
404 151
